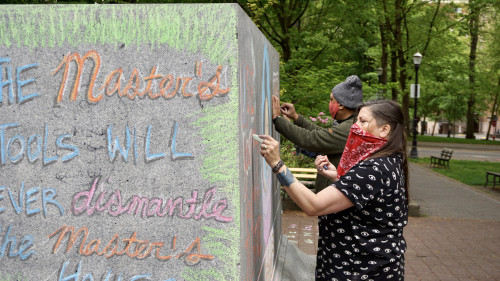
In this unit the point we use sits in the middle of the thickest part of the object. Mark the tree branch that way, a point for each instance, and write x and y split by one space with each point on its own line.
301 14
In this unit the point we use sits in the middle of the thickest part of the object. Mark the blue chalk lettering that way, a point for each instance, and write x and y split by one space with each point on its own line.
88 277
2 139
108 275
18 207
46 160
136 156
33 157
9 82
7 239
14 159
20 84
31 198
11 243
24 245
176 154
74 276
266 96
112 149
48 197
62 145
151 157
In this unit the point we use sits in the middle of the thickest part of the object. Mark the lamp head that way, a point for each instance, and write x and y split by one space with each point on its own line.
417 58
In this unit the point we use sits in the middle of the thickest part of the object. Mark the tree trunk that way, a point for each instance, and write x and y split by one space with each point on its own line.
474 37
434 128
385 31
493 111
398 38
384 58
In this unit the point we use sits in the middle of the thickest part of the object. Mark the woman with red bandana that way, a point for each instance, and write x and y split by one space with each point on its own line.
345 97
363 213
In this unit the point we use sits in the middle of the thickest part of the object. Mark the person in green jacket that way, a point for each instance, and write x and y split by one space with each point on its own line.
344 101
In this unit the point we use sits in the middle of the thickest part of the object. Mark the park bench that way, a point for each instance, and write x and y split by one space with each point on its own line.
495 176
306 176
443 160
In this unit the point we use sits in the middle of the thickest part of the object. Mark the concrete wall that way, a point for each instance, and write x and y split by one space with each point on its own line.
261 201
125 144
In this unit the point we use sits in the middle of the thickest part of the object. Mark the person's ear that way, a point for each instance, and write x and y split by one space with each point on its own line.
385 131
341 106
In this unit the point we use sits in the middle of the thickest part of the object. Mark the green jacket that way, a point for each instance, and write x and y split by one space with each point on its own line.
317 139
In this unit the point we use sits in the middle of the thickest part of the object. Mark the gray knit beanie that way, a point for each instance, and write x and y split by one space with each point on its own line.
349 93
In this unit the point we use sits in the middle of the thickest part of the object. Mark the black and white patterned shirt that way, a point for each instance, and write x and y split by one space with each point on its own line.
365 242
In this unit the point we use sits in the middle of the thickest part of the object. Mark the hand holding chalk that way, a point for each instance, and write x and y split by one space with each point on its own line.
269 149
324 167
257 138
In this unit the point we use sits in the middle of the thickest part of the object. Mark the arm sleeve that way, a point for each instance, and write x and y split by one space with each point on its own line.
304 123
314 138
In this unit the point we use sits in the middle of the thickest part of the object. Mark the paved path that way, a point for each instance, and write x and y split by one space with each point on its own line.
476 152
452 249
440 196
457 239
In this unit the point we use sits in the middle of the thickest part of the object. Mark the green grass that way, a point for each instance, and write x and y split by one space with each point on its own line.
453 140
469 172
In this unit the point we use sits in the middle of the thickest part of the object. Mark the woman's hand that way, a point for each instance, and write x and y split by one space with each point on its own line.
325 168
270 150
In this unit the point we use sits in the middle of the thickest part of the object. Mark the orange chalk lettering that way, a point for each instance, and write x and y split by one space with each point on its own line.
149 81
80 62
215 91
134 79
116 89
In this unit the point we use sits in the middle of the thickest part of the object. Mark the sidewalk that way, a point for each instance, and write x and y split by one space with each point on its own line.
458 237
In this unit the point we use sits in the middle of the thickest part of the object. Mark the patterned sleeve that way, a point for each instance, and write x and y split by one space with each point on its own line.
368 180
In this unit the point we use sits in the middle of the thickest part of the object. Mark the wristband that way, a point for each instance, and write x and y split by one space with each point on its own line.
278 167
286 178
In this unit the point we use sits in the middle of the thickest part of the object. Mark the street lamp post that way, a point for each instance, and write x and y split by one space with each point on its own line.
417 58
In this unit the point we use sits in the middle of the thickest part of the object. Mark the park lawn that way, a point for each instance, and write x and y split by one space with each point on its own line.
453 140
468 172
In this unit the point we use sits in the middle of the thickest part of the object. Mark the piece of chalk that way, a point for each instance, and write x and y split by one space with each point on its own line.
255 137
326 167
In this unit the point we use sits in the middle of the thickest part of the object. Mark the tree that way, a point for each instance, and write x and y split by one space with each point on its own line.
474 23
320 42
493 63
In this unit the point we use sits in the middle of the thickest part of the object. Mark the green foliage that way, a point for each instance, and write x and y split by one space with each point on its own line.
310 90
291 158
8 277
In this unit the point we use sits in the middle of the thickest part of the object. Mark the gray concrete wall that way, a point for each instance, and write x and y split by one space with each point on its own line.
260 199
123 144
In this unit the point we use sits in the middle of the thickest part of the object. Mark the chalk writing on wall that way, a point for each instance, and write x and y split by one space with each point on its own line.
258 197
112 84
73 179
119 142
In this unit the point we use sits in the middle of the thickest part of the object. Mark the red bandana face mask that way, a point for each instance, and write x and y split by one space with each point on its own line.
334 108
360 145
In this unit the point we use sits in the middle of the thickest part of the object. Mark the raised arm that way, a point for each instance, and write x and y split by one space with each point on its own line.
330 200
319 140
